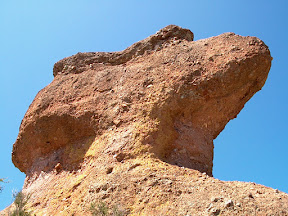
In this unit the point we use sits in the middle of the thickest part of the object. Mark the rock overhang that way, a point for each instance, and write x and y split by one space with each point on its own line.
191 88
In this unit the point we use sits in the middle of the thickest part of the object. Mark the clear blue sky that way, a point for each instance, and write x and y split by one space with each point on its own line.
36 34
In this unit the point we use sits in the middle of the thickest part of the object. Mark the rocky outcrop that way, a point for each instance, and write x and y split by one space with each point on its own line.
187 90
138 117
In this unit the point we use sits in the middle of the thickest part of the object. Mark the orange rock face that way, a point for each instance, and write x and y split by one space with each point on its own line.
157 105
188 90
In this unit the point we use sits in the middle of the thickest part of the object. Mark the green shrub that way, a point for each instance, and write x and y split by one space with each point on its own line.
1 181
20 202
101 209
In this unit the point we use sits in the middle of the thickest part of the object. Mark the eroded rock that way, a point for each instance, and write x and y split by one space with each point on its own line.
133 129
166 96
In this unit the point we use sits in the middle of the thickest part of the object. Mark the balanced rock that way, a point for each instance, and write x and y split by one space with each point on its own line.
136 127
176 95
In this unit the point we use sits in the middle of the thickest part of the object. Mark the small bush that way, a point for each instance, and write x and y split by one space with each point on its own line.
20 202
1 188
2 181
101 209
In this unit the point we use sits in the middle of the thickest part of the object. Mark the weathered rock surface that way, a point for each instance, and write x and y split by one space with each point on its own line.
185 91
133 128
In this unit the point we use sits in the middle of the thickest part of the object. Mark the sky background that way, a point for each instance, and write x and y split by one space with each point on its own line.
36 33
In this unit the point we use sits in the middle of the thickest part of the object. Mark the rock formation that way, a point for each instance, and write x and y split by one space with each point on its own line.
136 128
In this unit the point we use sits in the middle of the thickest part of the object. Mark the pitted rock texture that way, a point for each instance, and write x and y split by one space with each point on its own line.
172 94
82 61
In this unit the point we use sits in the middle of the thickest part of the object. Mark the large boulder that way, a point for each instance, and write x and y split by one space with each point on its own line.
185 91
134 129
